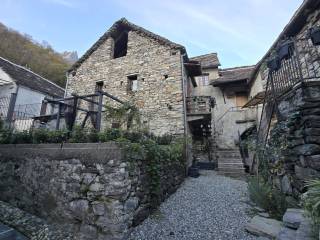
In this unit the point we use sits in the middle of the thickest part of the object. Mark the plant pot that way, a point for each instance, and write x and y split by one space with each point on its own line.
285 50
193 172
315 35
274 63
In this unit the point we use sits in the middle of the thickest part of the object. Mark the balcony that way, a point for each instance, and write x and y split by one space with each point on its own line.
199 105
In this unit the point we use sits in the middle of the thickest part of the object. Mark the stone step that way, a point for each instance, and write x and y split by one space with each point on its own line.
228 155
221 167
264 227
231 170
230 161
232 174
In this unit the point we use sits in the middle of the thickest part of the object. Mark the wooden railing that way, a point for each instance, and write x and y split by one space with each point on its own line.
301 64
199 105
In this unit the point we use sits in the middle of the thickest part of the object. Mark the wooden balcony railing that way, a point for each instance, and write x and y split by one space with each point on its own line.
199 105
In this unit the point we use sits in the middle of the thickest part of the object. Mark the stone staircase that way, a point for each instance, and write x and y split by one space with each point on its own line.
230 163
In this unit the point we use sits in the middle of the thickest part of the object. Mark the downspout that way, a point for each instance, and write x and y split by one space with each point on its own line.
184 110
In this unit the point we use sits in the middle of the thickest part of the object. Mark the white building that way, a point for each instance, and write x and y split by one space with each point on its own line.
21 94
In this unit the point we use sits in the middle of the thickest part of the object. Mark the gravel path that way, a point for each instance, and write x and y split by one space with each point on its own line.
210 207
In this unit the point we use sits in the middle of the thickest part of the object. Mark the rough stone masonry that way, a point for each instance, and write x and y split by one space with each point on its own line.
156 64
90 190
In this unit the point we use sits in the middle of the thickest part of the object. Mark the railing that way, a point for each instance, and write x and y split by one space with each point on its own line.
301 64
199 105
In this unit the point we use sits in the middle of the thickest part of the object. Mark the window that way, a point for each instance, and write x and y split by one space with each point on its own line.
133 83
241 99
203 80
99 86
120 45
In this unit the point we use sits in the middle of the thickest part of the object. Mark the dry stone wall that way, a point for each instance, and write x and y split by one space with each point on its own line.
159 96
303 159
89 189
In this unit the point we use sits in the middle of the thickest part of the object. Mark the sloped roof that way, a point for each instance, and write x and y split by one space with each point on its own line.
118 26
210 60
27 78
231 75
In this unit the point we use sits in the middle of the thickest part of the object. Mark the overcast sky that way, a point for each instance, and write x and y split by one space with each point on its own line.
240 31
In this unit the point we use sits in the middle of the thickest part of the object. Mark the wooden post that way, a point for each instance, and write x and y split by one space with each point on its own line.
58 117
99 111
74 111
11 107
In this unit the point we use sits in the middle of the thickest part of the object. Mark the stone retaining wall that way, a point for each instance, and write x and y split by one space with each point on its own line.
90 189
303 159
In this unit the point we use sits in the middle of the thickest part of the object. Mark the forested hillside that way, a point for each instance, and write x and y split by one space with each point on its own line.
40 58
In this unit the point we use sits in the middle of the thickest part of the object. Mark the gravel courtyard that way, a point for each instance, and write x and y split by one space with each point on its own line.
210 207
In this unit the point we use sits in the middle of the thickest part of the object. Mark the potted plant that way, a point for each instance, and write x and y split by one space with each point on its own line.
314 33
274 63
285 49
193 171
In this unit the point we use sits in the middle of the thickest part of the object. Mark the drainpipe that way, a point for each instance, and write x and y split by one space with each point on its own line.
184 110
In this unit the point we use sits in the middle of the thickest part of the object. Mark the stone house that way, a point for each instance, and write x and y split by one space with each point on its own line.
21 94
226 120
174 94
142 68
289 74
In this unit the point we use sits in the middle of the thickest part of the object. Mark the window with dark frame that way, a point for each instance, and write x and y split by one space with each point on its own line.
132 83
99 86
121 45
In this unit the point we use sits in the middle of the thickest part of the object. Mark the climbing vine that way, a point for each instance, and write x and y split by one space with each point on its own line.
126 113
155 158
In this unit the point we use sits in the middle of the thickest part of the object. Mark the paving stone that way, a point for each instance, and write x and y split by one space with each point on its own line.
286 234
293 217
304 231
264 214
264 227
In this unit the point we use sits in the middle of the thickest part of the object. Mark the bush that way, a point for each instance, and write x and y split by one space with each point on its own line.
110 135
78 135
5 136
21 137
311 201
267 197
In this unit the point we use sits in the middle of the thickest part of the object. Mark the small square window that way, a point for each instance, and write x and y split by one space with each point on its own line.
133 83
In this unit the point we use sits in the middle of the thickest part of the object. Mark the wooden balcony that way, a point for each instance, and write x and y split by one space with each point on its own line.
199 105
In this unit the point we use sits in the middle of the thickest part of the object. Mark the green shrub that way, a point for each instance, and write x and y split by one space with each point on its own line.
40 135
5 136
21 137
165 139
78 135
93 136
57 136
267 197
110 135
311 201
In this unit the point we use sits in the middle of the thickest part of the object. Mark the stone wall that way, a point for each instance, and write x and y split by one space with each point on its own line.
303 159
89 189
159 96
